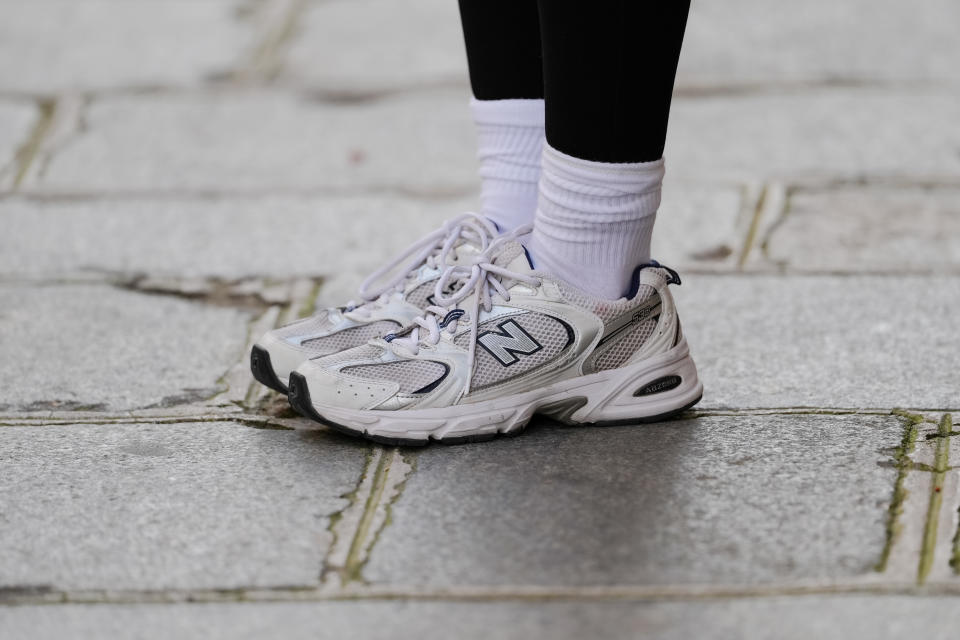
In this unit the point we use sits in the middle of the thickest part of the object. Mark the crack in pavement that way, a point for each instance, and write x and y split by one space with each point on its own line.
914 541
46 595
356 529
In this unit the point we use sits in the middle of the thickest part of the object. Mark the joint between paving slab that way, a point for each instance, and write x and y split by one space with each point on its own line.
941 458
396 491
780 218
429 194
354 564
309 305
752 225
45 595
763 199
955 552
335 519
220 292
252 389
356 529
258 395
695 91
385 492
252 421
901 457
266 60
28 151
208 414
770 206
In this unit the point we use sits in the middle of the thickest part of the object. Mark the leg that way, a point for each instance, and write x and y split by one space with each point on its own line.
506 75
608 100
503 48
609 67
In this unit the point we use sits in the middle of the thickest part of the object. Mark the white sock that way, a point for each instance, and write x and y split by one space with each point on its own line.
510 142
594 220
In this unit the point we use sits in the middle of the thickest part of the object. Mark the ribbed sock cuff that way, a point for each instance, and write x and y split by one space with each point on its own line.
518 112
594 220
510 144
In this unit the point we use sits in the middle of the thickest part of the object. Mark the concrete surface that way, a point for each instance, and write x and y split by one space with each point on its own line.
178 177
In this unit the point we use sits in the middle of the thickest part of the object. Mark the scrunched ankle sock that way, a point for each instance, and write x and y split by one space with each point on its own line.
594 220
510 142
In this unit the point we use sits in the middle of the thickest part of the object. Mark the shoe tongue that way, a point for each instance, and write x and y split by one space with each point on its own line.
513 256
464 251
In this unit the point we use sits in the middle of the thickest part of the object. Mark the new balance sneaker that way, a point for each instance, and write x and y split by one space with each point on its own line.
390 299
509 342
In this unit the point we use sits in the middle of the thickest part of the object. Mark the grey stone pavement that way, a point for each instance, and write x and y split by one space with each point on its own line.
177 177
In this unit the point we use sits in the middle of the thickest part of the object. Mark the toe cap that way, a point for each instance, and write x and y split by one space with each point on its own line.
329 387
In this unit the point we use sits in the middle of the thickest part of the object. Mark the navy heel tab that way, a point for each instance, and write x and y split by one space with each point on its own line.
653 264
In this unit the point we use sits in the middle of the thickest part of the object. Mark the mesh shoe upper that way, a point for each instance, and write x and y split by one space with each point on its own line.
387 307
536 331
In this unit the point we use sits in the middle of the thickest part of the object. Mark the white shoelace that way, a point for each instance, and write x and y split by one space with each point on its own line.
460 281
433 250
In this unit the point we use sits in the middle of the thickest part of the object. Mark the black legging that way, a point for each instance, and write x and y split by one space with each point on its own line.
605 68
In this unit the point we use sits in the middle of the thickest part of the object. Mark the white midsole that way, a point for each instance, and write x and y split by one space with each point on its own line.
606 396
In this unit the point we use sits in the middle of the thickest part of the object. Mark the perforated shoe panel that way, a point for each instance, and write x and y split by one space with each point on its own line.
411 375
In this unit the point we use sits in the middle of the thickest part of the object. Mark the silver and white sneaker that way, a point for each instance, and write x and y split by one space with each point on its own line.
390 299
507 343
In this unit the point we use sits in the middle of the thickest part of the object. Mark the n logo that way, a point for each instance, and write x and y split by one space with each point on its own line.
510 340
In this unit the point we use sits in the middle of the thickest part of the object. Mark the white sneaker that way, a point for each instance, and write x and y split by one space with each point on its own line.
384 307
509 342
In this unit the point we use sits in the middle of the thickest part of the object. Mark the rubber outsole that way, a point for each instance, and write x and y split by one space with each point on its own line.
262 369
299 398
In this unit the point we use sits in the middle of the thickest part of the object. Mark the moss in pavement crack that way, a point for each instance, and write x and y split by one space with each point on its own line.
351 498
354 563
309 306
941 458
411 462
902 462
27 153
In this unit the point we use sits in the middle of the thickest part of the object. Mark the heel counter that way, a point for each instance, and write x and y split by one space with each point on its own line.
648 329
666 334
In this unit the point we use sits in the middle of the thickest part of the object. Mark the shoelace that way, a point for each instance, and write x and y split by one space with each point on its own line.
460 281
433 250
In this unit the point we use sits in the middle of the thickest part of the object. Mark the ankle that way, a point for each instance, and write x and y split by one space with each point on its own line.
510 143
594 220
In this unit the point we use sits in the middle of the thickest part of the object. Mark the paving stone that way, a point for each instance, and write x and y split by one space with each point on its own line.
62 45
231 237
149 506
700 226
806 341
822 135
744 499
97 347
377 45
16 120
366 47
234 237
253 141
752 42
878 228
836 617
424 142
